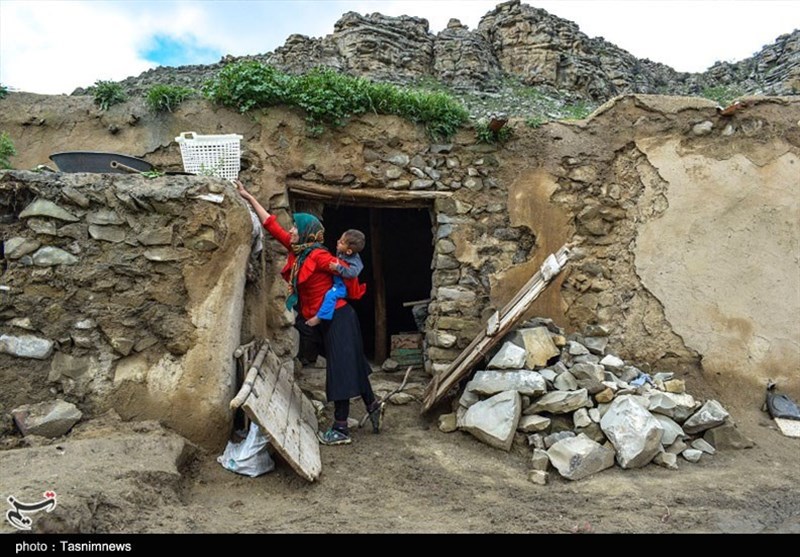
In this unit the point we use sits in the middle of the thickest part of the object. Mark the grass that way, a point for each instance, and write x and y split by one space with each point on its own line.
164 98
107 94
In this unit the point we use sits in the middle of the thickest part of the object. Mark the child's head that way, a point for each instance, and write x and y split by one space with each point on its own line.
352 241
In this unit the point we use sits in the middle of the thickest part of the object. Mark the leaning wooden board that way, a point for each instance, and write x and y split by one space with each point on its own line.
284 413
498 324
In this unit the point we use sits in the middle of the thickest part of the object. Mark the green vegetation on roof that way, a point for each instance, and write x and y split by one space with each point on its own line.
330 98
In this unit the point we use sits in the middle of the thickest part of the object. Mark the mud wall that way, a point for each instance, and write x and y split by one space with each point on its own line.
685 221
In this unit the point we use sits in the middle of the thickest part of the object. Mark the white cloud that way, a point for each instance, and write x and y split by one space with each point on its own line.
43 52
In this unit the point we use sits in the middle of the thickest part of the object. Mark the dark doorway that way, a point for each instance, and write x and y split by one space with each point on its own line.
397 260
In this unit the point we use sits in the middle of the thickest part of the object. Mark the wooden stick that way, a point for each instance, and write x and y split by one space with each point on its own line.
381 342
250 378
416 302
125 167
383 400
241 350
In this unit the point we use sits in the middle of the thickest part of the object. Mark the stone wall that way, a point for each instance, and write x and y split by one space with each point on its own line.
684 221
123 292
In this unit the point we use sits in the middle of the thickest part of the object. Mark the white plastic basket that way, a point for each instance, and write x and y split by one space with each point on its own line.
210 155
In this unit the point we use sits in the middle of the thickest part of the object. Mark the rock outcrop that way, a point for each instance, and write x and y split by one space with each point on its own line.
514 42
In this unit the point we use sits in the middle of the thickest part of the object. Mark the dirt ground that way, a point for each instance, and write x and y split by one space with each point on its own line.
412 478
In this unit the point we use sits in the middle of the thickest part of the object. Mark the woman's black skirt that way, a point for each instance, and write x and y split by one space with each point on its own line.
347 369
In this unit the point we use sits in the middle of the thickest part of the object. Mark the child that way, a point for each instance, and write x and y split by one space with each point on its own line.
350 265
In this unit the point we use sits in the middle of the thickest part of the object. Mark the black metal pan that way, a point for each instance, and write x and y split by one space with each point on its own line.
98 161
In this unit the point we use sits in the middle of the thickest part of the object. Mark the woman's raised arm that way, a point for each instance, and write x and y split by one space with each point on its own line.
262 213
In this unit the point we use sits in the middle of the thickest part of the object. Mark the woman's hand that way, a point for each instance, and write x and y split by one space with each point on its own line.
262 213
240 188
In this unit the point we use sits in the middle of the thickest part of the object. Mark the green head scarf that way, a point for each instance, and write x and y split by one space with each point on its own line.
311 235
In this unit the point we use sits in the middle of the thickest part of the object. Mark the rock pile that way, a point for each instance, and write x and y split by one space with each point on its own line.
582 409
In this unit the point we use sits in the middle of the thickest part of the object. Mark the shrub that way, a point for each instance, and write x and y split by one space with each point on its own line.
247 85
7 150
161 98
441 114
107 93
330 98
3 91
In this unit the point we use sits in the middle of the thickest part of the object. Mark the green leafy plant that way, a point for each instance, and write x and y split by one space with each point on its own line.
7 151
329 98
440 113
247 85
150 174
722 94
487 135
534 121
164 98
107 94
3 91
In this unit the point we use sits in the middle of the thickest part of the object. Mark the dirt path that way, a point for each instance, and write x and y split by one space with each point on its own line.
412 478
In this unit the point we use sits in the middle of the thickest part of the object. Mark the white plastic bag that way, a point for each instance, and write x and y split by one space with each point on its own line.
249 457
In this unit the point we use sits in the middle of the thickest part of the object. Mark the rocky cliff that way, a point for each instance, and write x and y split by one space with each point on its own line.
514 43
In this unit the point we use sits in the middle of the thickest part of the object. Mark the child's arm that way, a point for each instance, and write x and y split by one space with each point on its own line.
348 268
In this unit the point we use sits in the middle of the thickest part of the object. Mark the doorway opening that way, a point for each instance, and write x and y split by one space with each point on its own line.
397 267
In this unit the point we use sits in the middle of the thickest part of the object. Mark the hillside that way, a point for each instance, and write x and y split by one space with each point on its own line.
520 60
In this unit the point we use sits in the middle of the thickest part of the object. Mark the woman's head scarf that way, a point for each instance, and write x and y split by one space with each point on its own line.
311 235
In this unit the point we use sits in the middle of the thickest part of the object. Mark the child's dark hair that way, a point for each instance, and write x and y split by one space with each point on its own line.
355 239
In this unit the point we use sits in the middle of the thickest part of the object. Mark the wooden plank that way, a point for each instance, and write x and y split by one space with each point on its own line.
291 440
493 325
506 320
280 408
308 414
370 197
307 445
485 343
379 288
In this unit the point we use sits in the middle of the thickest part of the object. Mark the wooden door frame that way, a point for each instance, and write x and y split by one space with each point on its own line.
372 199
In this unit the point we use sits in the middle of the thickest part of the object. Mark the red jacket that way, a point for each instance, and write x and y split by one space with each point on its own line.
315 277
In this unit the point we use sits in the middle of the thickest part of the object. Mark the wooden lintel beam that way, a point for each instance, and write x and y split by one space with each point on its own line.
366 196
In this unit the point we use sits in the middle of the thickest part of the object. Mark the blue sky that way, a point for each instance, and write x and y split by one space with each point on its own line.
52 47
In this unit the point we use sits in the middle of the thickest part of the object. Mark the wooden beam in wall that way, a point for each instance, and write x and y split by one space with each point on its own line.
372 197
379 285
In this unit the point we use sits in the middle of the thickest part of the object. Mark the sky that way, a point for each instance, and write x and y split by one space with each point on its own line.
53 47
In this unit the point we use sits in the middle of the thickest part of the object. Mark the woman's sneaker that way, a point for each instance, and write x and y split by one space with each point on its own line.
334 437
376 417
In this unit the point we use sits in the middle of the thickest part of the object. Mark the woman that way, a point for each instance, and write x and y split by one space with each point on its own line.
309 271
